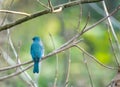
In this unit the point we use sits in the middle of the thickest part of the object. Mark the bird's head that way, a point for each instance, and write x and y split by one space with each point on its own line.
36 38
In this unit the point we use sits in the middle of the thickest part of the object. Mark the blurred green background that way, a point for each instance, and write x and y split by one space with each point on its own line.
62 26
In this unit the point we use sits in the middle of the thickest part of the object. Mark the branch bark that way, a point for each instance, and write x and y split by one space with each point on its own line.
37 14
14 12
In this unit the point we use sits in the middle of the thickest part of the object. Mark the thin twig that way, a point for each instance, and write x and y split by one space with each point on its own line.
80 16
95 59
92 26
68 42
43 58
16 73
66 5
68 69
10 41
13 66
90 77
71 40
29 80
14 12
113 50
87 21
110 84
50 6
4 18
42 4
56 71
11 44
10 61
111 28
25 74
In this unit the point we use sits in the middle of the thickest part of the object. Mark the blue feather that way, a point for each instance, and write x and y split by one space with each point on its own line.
36 67
37 52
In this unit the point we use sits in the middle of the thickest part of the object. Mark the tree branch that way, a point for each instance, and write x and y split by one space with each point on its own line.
112 30
45 57
56 71
87 67
15 74
14 12
95 59
66 5
67 43
68 69
42 4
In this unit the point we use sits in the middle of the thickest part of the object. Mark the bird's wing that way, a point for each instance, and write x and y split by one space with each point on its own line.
36 50
42 47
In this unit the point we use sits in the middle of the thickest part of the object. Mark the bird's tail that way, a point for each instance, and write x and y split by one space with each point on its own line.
36 66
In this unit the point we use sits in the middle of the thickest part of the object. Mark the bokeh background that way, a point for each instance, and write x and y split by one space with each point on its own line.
62 26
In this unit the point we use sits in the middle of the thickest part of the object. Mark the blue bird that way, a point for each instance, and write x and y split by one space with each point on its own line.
37 51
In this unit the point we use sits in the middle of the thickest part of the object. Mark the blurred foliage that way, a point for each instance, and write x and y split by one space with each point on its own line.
62 26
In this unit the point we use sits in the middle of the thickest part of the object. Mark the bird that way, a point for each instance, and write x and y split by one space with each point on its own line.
37 52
